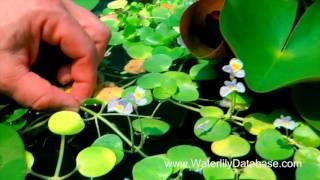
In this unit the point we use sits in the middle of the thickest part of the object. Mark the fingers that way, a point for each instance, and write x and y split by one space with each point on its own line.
64 74
62 30
96 30
38 94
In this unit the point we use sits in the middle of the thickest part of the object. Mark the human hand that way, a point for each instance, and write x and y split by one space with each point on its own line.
78 33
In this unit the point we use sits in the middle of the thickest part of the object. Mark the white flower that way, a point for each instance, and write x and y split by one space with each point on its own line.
232 86
138 96
286 122
234 68
121 106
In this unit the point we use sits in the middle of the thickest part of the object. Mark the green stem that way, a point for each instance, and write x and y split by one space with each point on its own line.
34 126
39 175
185 106
131 132
128 84
156 109
60 158
116 130
237 118
96 122
131 115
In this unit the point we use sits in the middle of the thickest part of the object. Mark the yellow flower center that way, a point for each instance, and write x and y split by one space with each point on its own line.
138 95
236 67
119 107
285 124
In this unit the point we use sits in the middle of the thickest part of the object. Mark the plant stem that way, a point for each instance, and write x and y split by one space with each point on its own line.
34 126
60 158
185 106
96 122
237 118
39 175
131 115
128 84
116 130
131 133
156 109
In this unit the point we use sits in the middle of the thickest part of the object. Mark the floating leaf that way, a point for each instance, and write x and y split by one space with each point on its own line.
187 155
179 77
257 122
308 171
108 93
117 4
150 80
139 51
233 146
166 90
12 154
16 115
16 125
211 111
29 159
306 136
95 161
134 66
113 142
202 71
87 4
219 171
152 167
242 102
256 171
116 39
187 92
66 123
161 14
307 155
150 127
211 129
275 38
157 63
200 31
271 145
174 53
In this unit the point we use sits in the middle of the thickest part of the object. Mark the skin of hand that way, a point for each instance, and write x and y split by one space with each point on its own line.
79 34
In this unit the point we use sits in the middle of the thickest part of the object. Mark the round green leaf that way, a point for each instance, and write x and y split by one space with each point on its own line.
256 171
87 4
152 167
219 171
95 161
211 129
257 122
179 77
157 63
113 142
161 14
307 155
211 111
116 39
202 71
117 4
187 155
12 154
16 125
150 127
150 80
131 89
29 159
16 115
282 48
306 136
241 101
166 90
139 51
174 53
271 145
66 123
308 171
231 147
187 92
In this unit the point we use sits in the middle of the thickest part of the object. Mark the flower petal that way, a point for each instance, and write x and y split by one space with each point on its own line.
227 68
240 87
225 91
142 102
240 74
128 109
